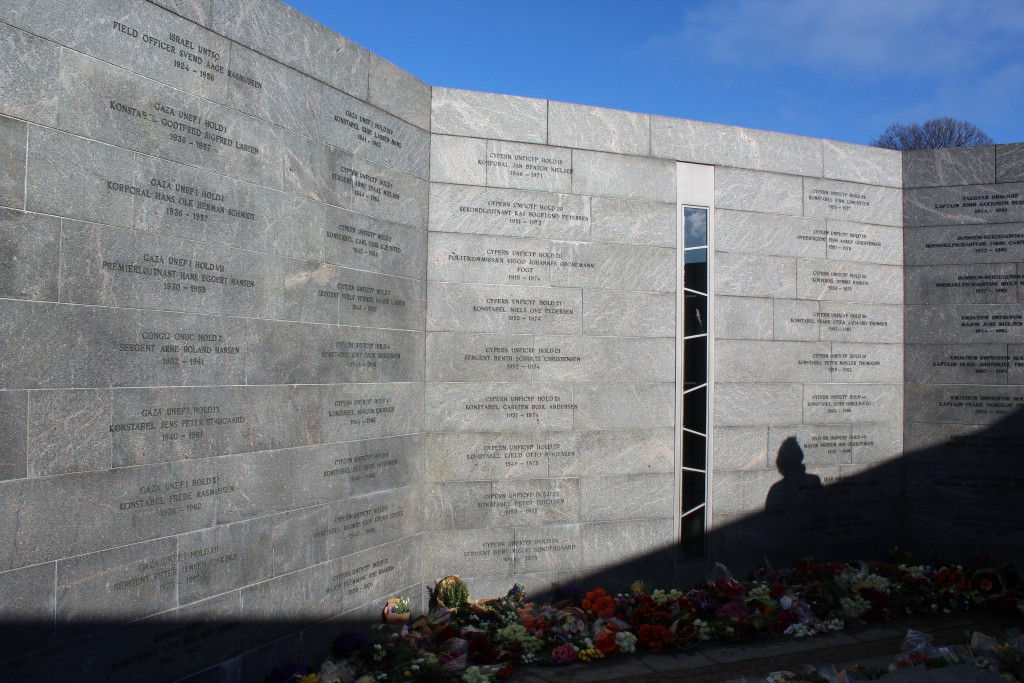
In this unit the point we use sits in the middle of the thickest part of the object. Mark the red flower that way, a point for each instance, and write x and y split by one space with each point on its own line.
599 602
605 641
653 637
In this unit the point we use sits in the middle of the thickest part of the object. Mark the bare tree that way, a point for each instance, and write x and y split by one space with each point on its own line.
933 134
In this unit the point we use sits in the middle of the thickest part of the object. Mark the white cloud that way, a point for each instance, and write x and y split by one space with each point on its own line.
852 39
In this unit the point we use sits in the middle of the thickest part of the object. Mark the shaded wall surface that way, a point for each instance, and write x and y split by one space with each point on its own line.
286 331
964 246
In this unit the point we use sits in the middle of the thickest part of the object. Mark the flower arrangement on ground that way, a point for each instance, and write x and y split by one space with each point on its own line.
475 642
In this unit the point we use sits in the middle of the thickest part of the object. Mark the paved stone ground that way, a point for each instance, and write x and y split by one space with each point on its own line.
748 662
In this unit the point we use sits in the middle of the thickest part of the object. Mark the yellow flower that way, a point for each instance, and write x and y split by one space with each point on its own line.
309 678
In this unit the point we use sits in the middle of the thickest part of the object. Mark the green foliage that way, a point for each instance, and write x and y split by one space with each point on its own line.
452 592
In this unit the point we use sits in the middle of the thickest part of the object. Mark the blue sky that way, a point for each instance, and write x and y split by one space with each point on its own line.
838 69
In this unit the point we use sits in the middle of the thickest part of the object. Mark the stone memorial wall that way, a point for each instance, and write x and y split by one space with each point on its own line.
285 331
964 245
213 303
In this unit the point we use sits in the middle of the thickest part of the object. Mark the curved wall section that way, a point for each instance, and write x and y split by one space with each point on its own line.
213 301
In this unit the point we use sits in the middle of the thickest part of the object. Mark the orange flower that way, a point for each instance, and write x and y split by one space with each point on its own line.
599 602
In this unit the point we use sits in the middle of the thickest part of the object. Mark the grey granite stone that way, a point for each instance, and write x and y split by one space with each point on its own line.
972 205
741 448
115 347
745 318
69 431
399 93
280 32
359 241
549 548
602 359
13 144
624 221
510 309
619 175
874 444
486 115
71 176
494 455
383 193
867 363
613 266
199 205
224 558
608 452
463 257
29 254
957 244
611 543
536 502
820 445
367 521
976 363
29 600
284 480
458 160
771 361
746 148
104 266
769 234
138 36
758 191
508 213
852 403
1016 363
121 584
962 284
203 422
1010 163
863 164
853 202
293 353
13 430
460 357
373 134
623 406
753 275
864 243
199 11
856 322
962 403
794 319
369 299
74 514
457 357
464 505
364 411
601 498
528 167
468 551
842 281
299 538
511 455
109 104
742 491
746 403
511 406
315 170
28 77
628 314
955 166
606 130
964 324
273 92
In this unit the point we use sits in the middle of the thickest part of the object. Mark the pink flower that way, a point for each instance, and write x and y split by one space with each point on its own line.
564 653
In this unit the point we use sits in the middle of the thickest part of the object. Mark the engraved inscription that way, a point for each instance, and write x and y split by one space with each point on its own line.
524 407
839 403
362 410
839 363
994 323
183 347
176 496
986 202
524 213
838 200
362 354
